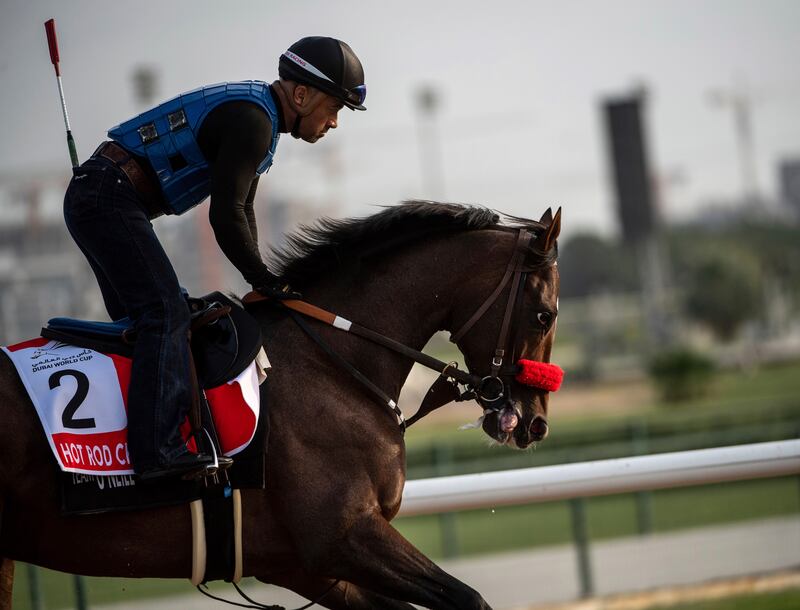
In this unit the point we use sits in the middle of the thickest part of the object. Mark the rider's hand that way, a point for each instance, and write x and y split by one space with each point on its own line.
276 288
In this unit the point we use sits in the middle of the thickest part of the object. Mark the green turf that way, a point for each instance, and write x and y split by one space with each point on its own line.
782 600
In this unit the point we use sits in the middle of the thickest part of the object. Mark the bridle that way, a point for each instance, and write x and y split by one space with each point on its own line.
493 387
489 390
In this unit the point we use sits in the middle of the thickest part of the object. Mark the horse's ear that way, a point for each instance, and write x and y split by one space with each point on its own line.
548 239
547 217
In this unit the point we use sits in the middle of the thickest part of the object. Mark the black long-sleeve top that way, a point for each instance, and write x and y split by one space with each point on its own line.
235 138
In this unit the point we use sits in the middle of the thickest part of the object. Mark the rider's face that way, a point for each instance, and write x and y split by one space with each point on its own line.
323 117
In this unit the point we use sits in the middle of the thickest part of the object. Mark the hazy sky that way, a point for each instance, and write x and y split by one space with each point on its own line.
520 84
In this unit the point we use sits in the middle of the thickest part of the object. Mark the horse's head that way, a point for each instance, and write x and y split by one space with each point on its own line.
501 322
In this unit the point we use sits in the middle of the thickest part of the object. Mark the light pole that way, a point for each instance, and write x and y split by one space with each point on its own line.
430 144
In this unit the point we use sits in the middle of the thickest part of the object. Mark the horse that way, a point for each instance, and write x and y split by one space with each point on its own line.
336 458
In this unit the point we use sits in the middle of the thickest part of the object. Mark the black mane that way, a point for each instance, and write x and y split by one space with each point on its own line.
329 243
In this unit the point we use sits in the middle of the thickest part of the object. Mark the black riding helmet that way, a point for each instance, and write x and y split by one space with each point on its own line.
329 65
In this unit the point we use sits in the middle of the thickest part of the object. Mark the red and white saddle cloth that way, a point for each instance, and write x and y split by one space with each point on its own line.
81 398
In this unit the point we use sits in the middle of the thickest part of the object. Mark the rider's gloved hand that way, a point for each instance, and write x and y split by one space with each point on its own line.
274 287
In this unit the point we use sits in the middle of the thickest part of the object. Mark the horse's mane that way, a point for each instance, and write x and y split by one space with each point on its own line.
331 243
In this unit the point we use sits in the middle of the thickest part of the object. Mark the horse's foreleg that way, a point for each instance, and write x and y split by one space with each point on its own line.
6 583
343 596
374 555
347 596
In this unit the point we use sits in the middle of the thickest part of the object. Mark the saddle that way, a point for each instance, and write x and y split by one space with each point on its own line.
225 339
93 359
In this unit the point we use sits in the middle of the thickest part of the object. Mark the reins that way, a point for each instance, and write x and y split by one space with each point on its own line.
382 396
257 605
445 389
298 309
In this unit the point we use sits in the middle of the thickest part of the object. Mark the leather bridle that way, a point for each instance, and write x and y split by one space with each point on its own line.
492 388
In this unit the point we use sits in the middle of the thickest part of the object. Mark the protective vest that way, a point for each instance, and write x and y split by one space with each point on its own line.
167 136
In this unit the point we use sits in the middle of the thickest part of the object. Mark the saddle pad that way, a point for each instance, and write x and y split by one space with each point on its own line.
81 398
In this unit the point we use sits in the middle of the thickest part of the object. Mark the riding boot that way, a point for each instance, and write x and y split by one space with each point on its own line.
186 465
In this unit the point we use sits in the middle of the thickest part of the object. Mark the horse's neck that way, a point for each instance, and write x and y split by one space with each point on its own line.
407 296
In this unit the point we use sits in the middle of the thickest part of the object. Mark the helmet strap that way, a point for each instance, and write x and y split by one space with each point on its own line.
296 126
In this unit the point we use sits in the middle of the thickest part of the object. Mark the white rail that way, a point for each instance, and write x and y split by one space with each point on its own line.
602 477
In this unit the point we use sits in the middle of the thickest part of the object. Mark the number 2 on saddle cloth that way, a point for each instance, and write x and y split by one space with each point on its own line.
77 375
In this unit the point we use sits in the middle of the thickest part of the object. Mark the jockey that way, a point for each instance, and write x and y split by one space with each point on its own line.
214 141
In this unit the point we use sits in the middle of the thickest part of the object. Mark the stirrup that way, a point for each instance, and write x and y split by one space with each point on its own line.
221 462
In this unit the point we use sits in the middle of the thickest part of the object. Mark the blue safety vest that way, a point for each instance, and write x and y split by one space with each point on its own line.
167 136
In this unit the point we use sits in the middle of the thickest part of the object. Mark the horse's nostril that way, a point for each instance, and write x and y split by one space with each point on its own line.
538 427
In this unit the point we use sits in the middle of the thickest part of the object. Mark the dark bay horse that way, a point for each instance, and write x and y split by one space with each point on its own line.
336 463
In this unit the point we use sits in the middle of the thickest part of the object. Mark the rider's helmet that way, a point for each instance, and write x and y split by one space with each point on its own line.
327 64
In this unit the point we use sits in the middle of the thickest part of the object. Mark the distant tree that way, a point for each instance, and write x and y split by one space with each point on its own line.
777 248
723 292
773 248
589 264
681 374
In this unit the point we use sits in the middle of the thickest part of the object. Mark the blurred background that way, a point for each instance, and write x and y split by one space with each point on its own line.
667 130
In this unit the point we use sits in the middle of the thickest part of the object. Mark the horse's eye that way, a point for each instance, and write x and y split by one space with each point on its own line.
544 317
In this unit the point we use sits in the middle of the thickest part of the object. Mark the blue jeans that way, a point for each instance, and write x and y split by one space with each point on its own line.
108 221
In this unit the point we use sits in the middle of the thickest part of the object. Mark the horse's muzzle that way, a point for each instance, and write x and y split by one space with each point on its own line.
508 427
528 433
